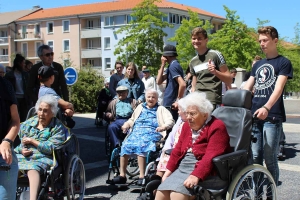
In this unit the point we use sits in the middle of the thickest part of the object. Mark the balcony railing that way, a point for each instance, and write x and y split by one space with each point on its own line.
3 40
4 58
91 52
28 36
91 32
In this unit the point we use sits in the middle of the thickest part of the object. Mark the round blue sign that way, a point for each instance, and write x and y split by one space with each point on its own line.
71 75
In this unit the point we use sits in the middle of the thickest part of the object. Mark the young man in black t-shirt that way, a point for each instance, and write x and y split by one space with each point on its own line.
269 77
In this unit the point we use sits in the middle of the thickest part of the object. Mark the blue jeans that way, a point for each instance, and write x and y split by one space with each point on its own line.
268 136
115 132
8 179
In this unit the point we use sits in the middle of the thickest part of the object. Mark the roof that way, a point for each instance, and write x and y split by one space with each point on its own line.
9 17
110 6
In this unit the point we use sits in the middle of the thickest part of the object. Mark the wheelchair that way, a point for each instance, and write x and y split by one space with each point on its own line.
244 180
66 178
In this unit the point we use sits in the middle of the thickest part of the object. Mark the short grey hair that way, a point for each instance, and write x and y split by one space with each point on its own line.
151 91
41 49
3 68
50 100
181 104
199 100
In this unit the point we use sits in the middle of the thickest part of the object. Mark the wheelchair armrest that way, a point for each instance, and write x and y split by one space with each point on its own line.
228 163
168 151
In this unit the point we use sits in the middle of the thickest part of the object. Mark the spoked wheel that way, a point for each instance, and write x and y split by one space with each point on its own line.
75 179
252 183
132 167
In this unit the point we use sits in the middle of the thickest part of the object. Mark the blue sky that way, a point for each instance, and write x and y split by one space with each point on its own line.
283 15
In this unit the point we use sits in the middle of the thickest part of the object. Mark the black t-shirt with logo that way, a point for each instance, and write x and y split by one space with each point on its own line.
266 73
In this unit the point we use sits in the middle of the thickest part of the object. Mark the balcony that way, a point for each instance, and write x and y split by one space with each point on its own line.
4 59
3 41
91 32
28 36
91 52
30 55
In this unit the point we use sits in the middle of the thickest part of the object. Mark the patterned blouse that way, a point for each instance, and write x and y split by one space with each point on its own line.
50 137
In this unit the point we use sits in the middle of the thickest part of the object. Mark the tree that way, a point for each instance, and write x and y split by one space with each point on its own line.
144 35
183 37
235 41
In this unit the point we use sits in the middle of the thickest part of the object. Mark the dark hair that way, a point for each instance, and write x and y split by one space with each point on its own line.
27 62
41 49
246 76
268 30
120 63
18 59
198 30
233 70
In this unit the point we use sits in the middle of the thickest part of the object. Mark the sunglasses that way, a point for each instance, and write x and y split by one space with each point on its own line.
49 54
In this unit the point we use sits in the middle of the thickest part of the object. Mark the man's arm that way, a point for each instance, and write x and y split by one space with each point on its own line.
182 86
160 77
63 84
194 82
224 75
249 84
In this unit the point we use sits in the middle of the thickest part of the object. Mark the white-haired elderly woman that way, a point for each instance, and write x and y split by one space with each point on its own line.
39 135
202 138
149 123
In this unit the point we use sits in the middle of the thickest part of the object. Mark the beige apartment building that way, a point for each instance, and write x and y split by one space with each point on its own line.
86 34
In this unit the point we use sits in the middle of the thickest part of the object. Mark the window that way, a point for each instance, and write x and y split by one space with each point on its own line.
50 43
3 34
120 19
66 45
89 44
66 25
107 43
165 18
37 30
107 63
24 49
24 32
37 45
109 21
4 52
50 27
90 24
91 62
130 18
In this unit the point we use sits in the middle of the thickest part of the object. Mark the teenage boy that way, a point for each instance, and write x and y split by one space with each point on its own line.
175 83
115 78
269 76
208 68
46 76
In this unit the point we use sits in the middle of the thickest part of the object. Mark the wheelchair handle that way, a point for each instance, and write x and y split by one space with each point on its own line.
4 167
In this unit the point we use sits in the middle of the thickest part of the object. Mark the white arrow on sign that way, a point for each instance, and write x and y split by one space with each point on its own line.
67 76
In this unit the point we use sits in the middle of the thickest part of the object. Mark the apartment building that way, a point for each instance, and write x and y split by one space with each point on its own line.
86 34
7 33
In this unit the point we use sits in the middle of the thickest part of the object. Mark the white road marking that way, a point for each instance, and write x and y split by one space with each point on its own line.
288 167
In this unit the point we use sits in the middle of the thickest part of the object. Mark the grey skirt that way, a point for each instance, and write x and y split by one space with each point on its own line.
175 181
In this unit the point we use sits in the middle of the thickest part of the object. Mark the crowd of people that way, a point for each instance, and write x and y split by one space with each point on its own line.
146 108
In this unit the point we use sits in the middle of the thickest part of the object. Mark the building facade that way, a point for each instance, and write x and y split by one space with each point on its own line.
85 35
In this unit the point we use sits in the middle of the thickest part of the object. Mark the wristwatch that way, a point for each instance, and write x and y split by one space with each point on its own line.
9 141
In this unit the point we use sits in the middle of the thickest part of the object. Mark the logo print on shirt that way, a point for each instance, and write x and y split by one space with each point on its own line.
265 80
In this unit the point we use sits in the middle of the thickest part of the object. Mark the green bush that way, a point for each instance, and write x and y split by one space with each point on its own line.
83 92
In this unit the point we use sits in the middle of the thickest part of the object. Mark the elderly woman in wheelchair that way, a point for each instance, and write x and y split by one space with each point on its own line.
39 135
202 138
149 123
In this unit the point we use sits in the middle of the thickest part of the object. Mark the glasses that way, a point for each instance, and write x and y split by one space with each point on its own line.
49 54
192 114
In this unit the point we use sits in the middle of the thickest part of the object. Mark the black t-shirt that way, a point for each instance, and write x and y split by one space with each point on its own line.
266 73
7 98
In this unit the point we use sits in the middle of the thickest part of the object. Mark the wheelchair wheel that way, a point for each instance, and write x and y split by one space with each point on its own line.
132 168
252 182
75 179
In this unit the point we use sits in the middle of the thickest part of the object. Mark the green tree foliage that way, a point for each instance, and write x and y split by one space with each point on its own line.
83 92
182 37
235 41
144 35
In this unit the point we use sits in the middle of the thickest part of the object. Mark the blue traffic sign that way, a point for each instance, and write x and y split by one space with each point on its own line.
71 75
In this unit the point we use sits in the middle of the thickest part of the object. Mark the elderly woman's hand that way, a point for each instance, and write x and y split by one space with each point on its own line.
191 181
26 140
160 129
125 127
26 152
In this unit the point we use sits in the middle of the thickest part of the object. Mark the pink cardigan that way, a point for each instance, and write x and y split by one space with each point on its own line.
213 141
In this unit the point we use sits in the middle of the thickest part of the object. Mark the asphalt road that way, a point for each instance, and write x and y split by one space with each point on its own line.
92 151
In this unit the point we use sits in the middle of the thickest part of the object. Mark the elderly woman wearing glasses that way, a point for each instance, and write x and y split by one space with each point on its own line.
202 138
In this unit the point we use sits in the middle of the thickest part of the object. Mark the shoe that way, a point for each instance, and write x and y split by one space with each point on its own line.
140 181
119 180
100 123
